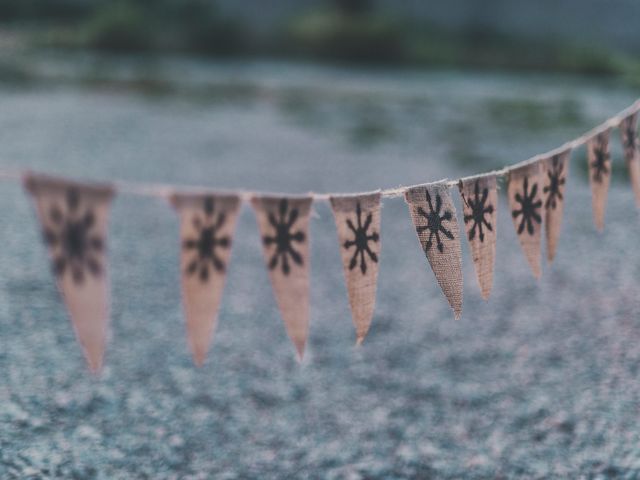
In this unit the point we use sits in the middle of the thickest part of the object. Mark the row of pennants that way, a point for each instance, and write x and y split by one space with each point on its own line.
73 218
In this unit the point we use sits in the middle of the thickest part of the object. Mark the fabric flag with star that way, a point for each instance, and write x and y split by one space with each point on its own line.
357 220
480 208
631 148
434 218
207 225
284 226
525 200
555 174
73 217
599 162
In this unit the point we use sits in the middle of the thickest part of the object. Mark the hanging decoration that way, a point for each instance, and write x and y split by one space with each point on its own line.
556 170
358 224
480 209
207 225
434 218
631 149
73 218
284 226
599 160
525 201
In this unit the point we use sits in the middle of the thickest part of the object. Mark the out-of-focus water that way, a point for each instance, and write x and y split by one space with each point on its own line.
538 382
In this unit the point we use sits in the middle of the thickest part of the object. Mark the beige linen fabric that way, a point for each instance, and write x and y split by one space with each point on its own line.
207 225
631 147
358 225
555 174
599 161
434 217
526 204
480 207
73 218
284 226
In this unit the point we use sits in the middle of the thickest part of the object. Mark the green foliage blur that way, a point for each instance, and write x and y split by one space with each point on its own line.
348 31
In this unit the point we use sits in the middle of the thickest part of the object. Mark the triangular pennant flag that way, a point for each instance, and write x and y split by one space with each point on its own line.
358 223
480 207
525 201
631 146
73 218
284 226
434 217
599 160
556 171
207 225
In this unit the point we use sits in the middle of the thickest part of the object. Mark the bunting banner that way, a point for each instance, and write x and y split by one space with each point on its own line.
357 220
73 219
599 160
480 209
556 170
284 225
207 225
631 149
434 218
525 201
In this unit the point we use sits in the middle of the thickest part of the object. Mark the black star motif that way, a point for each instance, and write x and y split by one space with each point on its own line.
361 239
630 136
479 208
70 234
283 237
600 163
553 189
435 222
206 242
528 207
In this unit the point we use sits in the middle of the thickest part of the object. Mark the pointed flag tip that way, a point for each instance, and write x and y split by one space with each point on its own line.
359 340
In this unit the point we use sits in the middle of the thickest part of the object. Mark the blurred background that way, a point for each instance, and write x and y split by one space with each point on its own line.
324 95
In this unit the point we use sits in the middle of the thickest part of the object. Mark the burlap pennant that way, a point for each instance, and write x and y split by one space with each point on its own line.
434 217
555 174
358 224
631 146
480 207
284 225
599 159
73 218
207 225
526 202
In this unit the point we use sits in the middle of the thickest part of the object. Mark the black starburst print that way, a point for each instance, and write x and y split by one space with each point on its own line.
283 237
70 234
528 208
630 136
207 241
435 222
361 239
479 210
600 163
556 179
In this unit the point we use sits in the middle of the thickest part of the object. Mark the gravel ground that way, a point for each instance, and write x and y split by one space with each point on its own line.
539 382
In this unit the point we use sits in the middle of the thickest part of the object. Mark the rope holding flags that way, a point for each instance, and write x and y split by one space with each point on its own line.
73 217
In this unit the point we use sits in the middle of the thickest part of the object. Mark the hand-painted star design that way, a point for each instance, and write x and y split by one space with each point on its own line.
207 242
435 222
283 237
600 163
77 249
361 239
529 204
479 210
556 179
